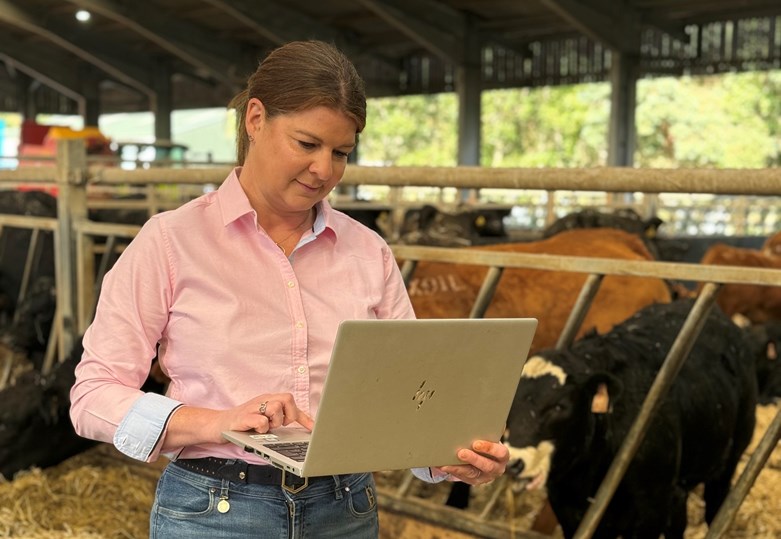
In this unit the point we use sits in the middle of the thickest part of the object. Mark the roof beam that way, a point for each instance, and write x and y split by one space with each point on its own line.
448 46
52 32
280 24
50 69
173 36
621 33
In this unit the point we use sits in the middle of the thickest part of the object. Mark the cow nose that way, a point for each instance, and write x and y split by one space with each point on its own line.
515 467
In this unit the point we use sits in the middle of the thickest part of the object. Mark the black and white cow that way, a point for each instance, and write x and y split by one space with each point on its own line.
459 228
574 408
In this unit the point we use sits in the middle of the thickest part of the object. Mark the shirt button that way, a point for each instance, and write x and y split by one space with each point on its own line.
301 369
299 325
291 284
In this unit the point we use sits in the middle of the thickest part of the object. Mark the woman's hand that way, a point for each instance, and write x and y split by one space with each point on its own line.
484 462
190 425
263 413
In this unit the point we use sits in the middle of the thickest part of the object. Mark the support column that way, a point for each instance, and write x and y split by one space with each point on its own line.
90 90
469 90
624 72
26 106
162 106
71 207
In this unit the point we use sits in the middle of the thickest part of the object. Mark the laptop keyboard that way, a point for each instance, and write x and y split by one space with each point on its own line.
293 450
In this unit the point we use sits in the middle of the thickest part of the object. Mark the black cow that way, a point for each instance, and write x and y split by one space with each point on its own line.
462 227
574 408
765 342
35 428
16 242
624 218
627 219
35 425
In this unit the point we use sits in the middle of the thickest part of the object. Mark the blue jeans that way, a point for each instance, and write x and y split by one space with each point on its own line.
187 505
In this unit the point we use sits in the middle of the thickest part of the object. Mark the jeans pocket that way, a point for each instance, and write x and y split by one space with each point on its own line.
363 498
178 498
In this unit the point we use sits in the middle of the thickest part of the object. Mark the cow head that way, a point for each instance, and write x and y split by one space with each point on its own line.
554 414
772 246
764 341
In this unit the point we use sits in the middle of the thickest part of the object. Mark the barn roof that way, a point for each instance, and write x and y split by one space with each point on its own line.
400 46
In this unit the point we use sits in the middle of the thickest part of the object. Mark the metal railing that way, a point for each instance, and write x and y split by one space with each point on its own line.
78 279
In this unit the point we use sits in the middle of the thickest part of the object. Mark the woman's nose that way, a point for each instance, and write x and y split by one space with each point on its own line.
322 166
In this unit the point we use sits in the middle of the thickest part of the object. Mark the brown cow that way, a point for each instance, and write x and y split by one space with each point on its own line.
441 290
772 245
757 303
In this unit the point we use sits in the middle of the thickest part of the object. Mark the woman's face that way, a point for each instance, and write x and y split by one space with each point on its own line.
298 158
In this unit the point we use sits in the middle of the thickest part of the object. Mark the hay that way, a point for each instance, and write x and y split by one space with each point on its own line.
100 494
78 499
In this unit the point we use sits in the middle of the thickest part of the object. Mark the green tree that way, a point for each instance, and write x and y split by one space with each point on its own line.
412 130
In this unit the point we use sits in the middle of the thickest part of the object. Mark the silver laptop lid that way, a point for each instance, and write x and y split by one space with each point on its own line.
410 393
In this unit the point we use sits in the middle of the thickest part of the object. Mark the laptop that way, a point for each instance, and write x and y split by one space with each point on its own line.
403 394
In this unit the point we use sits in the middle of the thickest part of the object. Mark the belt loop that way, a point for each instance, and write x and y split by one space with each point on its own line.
338 491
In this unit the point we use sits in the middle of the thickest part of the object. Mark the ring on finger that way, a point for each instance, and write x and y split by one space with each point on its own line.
262 408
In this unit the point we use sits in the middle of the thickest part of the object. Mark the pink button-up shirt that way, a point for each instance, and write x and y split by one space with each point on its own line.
233 315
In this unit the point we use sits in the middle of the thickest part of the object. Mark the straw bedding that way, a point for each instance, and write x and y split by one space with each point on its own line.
99 494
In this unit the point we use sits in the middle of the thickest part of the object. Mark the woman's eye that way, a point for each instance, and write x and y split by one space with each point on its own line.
306 145
341 155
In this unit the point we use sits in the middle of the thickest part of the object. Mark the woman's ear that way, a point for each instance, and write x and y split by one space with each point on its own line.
256 114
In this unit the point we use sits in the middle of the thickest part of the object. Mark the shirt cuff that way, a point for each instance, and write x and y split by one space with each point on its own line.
424 474
142 428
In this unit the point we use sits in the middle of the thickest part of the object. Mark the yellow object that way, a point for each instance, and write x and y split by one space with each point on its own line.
66 133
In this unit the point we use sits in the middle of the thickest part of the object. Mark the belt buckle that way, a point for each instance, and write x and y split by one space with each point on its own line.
293 489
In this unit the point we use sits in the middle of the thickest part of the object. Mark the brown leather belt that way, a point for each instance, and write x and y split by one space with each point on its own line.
243 472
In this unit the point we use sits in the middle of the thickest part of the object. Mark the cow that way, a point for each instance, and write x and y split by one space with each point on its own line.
574 407
459 228
765 343
16 242
772 245
35 425
756 302
622 218
35 428
442 290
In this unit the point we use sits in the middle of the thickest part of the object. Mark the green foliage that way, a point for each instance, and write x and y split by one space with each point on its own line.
726 121
414 130
547 127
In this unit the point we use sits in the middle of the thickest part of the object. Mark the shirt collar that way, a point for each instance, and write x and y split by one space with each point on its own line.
233 201
234 205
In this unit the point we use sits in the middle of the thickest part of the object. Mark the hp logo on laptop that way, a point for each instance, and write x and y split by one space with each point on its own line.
422 395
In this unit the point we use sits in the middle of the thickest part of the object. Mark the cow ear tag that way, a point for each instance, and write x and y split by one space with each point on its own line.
600 403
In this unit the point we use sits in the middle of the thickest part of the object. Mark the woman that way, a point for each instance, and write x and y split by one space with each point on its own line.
243 290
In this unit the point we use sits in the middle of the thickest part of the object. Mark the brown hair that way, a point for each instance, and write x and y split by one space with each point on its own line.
298 76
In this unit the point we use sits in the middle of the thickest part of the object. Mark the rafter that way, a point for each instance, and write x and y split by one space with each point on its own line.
52 70
175 37
620 31
279 24
53 32
449 46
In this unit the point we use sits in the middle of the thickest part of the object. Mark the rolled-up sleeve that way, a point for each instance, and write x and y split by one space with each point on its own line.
107 403
141 430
